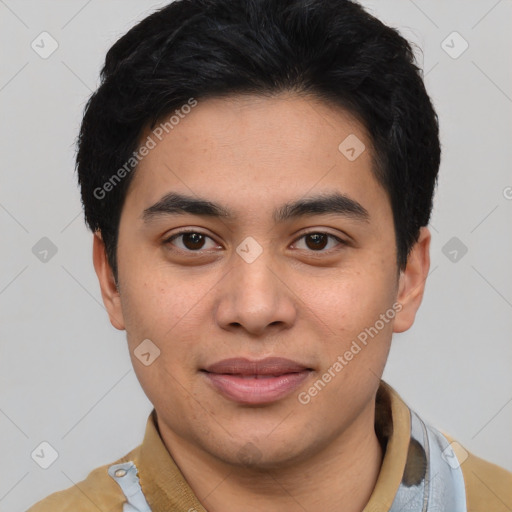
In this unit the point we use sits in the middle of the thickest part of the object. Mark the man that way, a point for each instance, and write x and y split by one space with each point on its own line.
258 175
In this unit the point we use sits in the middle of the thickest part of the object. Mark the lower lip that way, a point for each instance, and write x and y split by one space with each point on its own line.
256 390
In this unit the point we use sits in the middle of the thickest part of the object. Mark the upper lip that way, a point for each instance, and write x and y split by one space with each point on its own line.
267 366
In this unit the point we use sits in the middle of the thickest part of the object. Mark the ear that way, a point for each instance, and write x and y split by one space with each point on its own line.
412 282
109 291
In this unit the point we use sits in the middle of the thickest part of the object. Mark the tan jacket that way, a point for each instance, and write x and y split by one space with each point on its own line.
404 473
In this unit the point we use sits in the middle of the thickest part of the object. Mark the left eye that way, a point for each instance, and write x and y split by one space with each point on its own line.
192 241
318 241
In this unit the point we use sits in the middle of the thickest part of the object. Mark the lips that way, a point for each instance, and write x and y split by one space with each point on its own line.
270 366
256 382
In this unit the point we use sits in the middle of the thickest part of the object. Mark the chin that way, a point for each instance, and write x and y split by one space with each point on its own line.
263 455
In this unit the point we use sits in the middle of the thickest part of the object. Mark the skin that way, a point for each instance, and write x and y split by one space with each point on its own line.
253 154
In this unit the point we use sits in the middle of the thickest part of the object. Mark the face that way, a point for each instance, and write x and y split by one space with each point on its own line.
269 285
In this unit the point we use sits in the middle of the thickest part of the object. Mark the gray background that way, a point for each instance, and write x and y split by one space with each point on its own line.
65 373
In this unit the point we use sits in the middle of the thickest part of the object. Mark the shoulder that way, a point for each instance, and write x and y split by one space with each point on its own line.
488 486
97 492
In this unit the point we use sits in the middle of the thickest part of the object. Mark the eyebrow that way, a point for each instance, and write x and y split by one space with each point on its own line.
335 203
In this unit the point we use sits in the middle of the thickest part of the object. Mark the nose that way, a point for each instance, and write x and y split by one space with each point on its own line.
255 297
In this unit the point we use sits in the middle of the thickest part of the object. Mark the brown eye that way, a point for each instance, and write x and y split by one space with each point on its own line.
317 241
191 241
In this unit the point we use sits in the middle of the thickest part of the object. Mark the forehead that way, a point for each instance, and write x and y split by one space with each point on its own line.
250 151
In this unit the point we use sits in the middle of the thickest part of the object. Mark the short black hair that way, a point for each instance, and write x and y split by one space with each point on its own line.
197 49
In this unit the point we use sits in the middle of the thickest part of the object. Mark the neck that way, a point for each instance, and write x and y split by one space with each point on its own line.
339 477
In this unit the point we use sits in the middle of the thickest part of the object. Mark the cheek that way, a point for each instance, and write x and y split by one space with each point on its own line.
351 302
158 307
168 314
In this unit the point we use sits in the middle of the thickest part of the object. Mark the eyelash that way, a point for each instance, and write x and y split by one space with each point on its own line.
199 251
